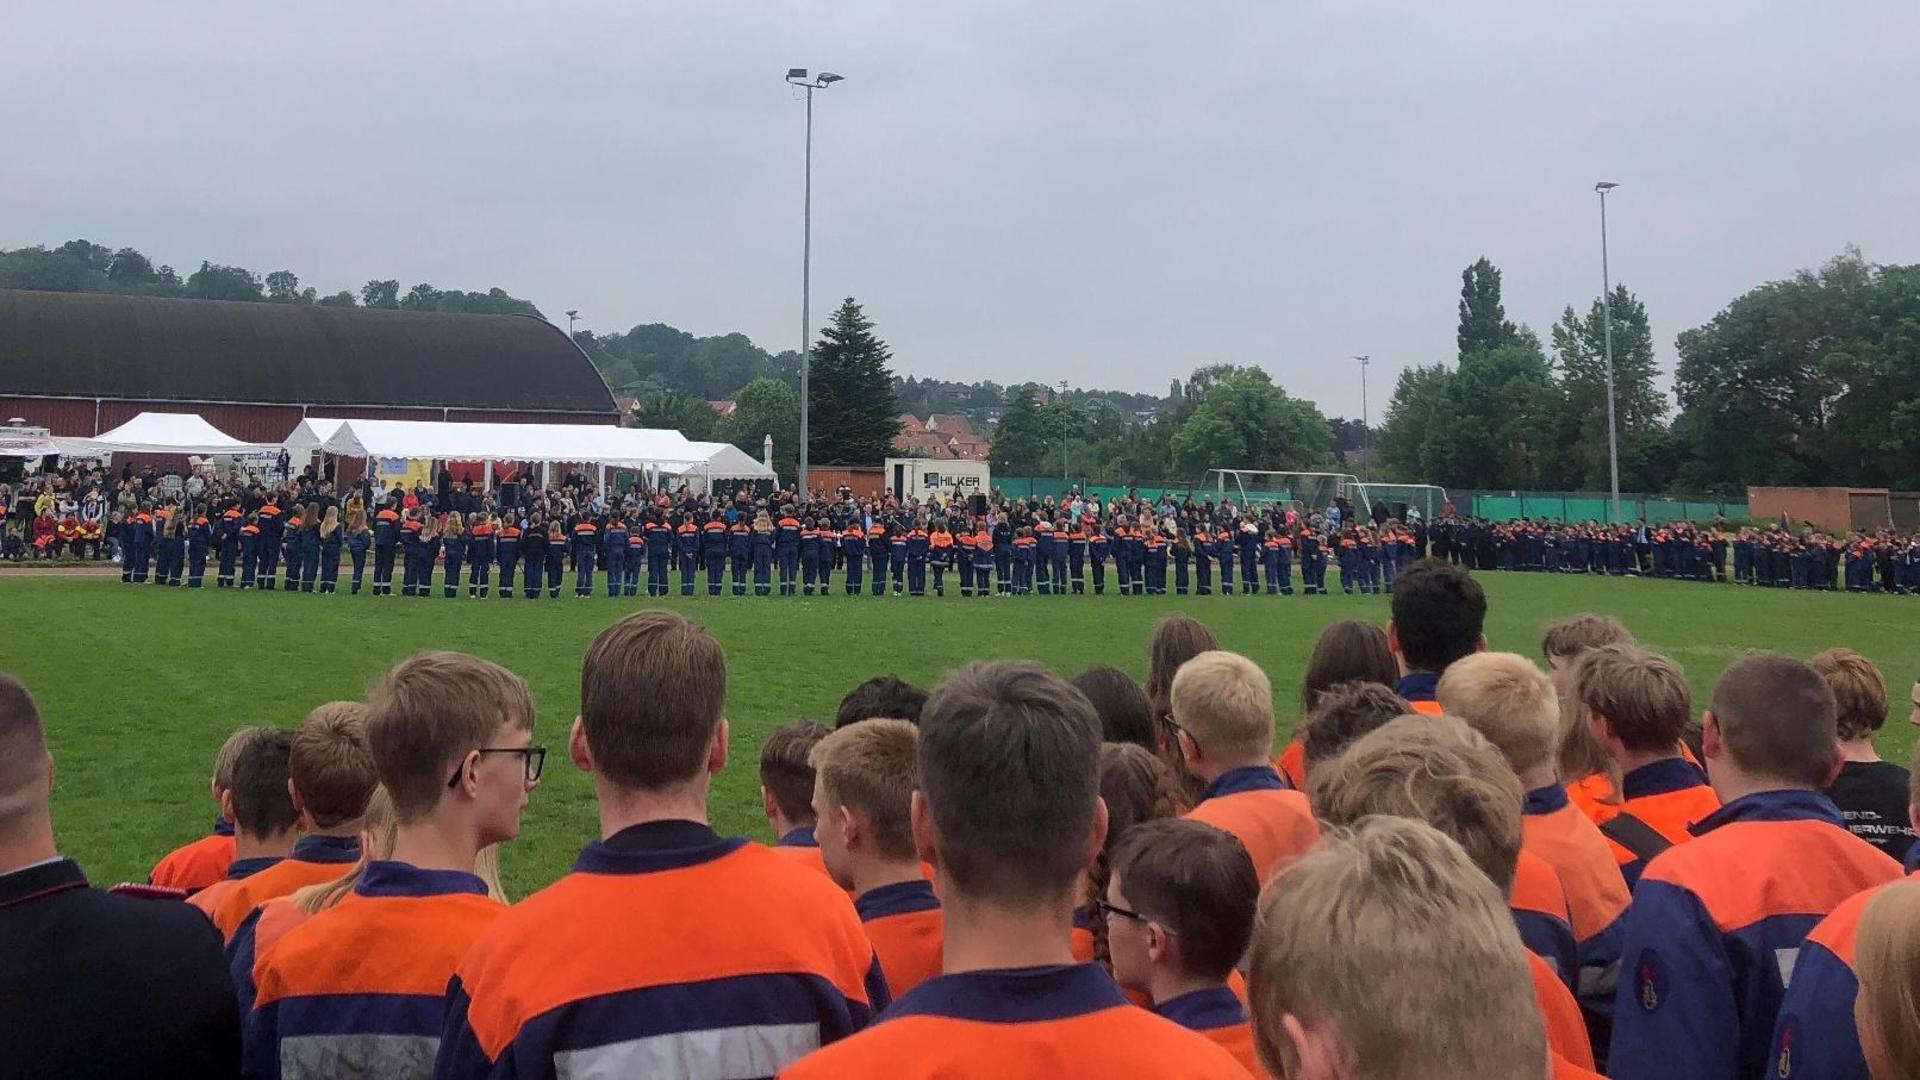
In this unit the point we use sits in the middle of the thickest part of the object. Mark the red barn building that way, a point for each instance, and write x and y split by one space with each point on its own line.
84 363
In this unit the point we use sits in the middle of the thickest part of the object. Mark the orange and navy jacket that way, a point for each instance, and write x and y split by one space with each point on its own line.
904 923
1417 688
1540 910
1669 795
1566 1027
1216 1013
192 867
1055 1020
360 989
1274 822
801 846
256 934
1814 1037
1597 896
208 900
668 951
315 859
1292 763
1717 926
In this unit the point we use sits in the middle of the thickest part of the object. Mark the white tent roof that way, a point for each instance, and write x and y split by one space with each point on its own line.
723 461
167 433
606 445
312 432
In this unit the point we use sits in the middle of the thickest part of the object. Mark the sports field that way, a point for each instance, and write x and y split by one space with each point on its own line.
140 684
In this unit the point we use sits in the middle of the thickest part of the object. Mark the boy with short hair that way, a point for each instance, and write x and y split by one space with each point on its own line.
192 867
1343 714
1637 703
360 988
1507 700
1567 639
330 777
786 789
265 821
1009 814
862 796
1222 724
1439 614
1384 953
1718 922
1439 771
669 950
1179 908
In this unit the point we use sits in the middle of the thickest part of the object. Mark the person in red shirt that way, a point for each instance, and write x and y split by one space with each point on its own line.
1179 911
265 821
1008 813
862 795
669 950
1222 724
1385 952
1439 771
360 988
786 789
194 866
330 774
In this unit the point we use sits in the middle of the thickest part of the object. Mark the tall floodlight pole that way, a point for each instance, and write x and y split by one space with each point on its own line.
798 77
1063 429
1366 429
1606 308
573 316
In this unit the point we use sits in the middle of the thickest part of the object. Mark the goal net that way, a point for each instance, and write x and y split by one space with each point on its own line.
1308 492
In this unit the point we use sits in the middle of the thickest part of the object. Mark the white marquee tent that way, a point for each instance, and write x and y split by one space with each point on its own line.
163 433
311 434
721 461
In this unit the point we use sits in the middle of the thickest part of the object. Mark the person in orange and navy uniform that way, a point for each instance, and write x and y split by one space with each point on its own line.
786 789
1179 910
1222 725
265 822
669 950
1439 613
1443 773
1438 986
192 867
360 988
330 771
586 544
507 544
862 798
1001 747
1719 922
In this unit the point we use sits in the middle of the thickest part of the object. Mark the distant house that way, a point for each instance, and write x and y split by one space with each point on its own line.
942 435
911 423
952 425
724 408
627 405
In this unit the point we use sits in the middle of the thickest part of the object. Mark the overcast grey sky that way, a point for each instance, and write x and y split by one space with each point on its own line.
1111 193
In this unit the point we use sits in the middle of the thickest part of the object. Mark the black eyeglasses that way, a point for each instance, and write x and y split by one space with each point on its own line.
1110 910
1172 728
535 758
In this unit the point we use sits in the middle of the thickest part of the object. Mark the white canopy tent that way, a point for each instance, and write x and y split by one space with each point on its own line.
632 448
311 434
721 461
164 433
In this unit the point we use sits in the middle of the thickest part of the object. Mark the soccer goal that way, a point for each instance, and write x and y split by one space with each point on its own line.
1315 491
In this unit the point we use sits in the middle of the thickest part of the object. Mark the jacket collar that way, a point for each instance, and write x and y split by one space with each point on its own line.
40 880
800 837
1246 778
1546 800
327 849
900 898
1204 1010
1793 804
385 877
1417 686
1013 995
1661 777
654 846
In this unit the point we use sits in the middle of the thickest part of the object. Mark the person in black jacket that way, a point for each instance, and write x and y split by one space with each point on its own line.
94 984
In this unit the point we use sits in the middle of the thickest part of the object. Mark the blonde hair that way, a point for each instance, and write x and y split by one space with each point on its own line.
1225 702
1504 697
454 523
1434 769
1887 958
871 767
330 765
1387 937
1580 756
1858 689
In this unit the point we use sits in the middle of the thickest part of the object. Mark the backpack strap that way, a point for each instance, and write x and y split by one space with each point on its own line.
1635 835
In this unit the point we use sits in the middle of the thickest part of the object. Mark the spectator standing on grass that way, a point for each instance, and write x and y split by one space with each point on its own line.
93 984
1872 794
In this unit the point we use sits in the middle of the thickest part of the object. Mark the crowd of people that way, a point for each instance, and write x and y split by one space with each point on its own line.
302 534
1460 866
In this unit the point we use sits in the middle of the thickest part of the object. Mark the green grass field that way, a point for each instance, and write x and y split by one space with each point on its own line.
140 684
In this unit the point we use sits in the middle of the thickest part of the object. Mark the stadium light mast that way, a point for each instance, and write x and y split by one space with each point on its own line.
798 77
1064 428
573 316
1366 430
1606 308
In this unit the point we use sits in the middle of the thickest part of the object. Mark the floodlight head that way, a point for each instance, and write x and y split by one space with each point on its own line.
573 313
1605 185
828 78
796 74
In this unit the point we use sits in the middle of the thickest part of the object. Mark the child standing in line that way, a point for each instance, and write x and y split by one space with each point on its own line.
454 539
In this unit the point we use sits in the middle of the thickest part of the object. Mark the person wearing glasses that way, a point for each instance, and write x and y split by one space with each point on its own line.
359 989
1179 911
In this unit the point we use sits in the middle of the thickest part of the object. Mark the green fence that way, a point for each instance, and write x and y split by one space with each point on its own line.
1587 506
1041 487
